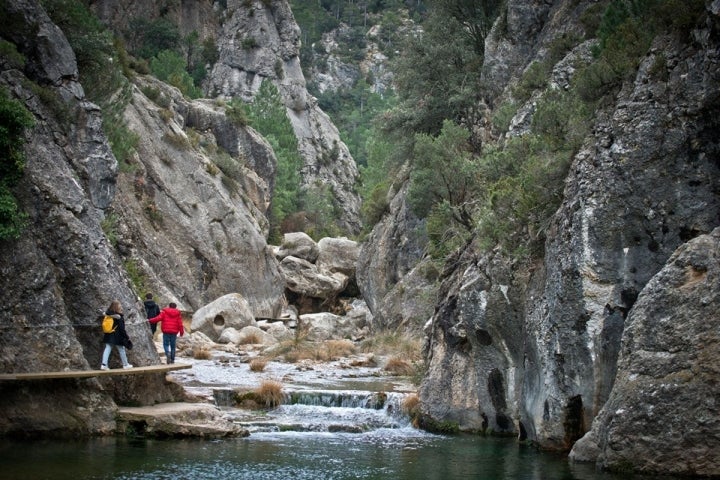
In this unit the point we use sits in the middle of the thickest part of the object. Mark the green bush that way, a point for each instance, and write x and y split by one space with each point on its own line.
376 205
268 115
150 37
535 77
563 119
444 170
444 234
317 202
518 202
503 115
15 120
8 51
169 67
229 165
236 112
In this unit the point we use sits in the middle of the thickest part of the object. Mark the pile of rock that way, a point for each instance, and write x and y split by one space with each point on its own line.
320 281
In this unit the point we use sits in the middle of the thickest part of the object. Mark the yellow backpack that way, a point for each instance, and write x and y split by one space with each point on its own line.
108 324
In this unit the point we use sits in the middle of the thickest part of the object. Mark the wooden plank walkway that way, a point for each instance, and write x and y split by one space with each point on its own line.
94 373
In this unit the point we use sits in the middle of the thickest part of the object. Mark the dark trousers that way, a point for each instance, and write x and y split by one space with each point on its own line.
169 340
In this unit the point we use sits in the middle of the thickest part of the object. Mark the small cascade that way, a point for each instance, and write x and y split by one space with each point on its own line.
328 411
347 399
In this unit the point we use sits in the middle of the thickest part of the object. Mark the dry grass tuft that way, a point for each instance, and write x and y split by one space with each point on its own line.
398 366
394 343
269 393
410 404
339 348
257 364
300 349
201 353
250 339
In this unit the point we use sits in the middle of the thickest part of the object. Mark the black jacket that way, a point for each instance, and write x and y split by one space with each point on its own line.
151 309
119 336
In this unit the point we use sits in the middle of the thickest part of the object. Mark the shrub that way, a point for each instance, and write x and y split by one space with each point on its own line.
376 205
201 353
169 67
136 275
248 43
534 78
236 112
209 53
229 165
503 115
339 348
15 119
270 393
150 37
9 52
157 96
109 228
258 364
398 366
389 342
411 406
250 339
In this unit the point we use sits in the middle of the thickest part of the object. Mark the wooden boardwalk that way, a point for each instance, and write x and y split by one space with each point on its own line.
94 373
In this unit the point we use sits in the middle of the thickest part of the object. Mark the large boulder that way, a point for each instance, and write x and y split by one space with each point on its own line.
306 279
300 245
326 326
664 403
230 310
338 255
249 334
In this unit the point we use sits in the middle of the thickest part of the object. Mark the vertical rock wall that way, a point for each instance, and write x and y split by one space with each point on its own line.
261 42
62 272
646 181
661 416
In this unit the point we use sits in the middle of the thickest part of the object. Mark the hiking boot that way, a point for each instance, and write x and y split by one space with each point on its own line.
127 366
103 367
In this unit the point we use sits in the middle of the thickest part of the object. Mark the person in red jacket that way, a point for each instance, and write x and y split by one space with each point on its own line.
172 325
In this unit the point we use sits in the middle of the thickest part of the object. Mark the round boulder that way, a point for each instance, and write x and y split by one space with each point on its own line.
300 245
231 310
338 255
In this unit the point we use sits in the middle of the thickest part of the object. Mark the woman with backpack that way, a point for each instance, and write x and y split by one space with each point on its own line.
171 326
117 336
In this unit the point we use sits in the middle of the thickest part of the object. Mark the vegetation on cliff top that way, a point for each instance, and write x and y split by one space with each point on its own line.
504 192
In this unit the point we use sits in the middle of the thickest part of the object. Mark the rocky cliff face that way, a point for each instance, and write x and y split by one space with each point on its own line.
258 41
185 215
191 213
660 416
62 272
533 350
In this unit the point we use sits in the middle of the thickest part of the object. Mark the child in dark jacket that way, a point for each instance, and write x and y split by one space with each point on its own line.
151 310
118 337
171 326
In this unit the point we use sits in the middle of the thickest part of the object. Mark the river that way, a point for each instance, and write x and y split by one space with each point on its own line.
330 427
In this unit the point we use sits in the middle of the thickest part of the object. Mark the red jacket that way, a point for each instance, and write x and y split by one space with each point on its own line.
171 319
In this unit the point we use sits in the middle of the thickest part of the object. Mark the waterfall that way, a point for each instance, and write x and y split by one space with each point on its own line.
349 411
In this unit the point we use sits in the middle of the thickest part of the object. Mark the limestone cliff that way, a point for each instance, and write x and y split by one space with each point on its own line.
190 213
532 349
62 272
258 41
660 416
